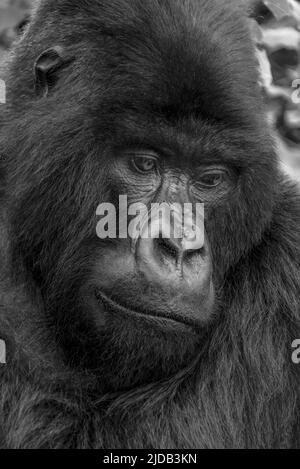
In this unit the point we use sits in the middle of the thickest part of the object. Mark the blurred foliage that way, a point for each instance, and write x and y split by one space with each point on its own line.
13 16
277 33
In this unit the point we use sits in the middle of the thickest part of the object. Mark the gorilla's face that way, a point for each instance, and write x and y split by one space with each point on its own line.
161 281
150 300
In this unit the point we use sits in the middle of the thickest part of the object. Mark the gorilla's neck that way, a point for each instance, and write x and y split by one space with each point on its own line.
221 404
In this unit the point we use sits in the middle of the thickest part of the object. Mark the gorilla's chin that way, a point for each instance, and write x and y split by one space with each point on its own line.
159 353
103 335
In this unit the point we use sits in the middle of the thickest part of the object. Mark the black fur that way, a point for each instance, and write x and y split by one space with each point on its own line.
183 71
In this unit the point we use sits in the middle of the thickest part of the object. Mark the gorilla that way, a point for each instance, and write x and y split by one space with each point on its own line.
112 344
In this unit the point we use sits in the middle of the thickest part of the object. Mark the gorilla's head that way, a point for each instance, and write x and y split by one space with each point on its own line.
158 101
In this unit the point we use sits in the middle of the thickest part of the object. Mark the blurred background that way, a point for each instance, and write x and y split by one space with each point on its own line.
276 30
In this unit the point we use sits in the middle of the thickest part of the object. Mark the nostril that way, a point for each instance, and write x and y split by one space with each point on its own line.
167 247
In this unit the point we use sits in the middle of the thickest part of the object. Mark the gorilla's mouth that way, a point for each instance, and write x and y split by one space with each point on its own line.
163 319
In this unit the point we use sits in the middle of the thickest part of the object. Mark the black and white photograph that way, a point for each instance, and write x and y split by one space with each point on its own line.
149 227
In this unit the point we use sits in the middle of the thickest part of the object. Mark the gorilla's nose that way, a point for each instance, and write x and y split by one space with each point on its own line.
170 253
178 248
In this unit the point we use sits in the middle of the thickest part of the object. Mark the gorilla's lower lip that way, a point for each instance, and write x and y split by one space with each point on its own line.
160 318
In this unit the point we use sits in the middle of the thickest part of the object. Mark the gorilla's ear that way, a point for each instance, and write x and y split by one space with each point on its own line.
47 64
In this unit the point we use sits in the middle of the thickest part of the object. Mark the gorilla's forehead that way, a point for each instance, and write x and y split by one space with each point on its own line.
170 71
177 56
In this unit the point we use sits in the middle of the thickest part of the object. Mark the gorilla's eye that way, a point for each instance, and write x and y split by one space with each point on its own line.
144 163
212 178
